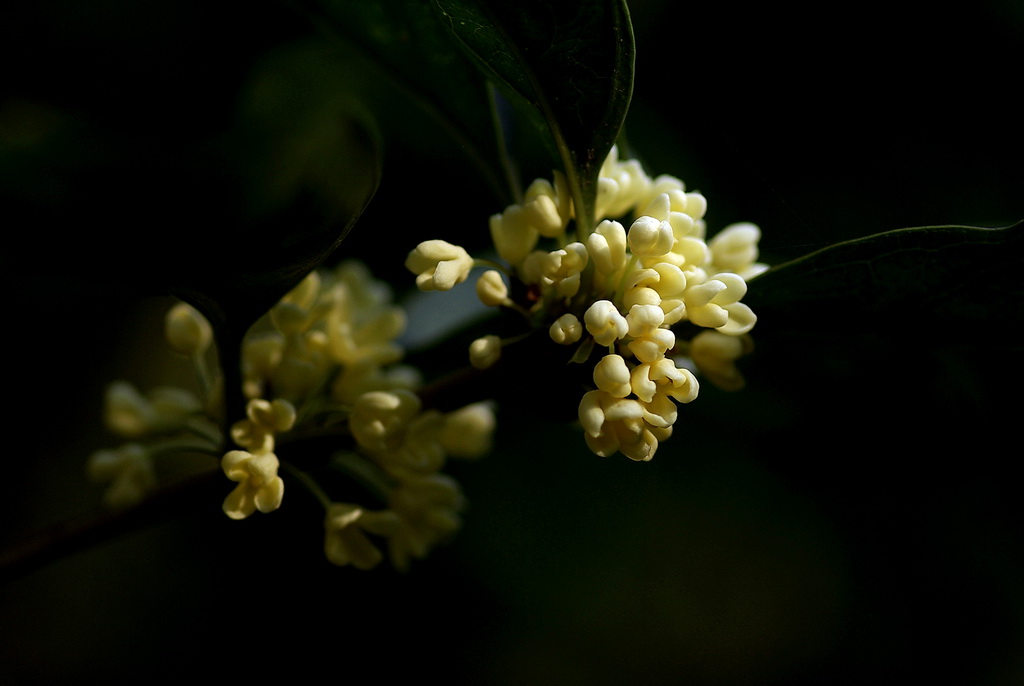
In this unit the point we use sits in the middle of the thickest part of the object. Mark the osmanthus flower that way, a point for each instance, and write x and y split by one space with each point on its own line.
715 355
734 249
605 323
131 414
345 539
491 289
715 304
566 330
468 432
428 510
187 330
129 469
263 419
379 418
628 294
322 373
259 487
562 269
439 265
613 424
485 351
547 206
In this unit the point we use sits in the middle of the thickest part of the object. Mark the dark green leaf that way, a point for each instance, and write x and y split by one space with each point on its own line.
940 278
407 68
230 220
572 62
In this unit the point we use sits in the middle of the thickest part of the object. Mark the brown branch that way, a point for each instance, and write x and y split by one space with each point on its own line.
74 535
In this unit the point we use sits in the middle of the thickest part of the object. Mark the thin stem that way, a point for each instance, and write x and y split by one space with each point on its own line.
79 533
310 484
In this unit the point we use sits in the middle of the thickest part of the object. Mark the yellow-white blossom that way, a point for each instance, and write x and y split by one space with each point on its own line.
130 414
129 469
468 432
261 353
629 288
259 487
715 304
606 246
734 249
650 341
512 234
485 351
613 424
186 330
611 375
566 330
367 337
417 449
663 376
621 185
345 540
548 207
379 418
428 510
303 365
438 265
715 356
491 289
355 380
562 268
604 322
650 237
264 418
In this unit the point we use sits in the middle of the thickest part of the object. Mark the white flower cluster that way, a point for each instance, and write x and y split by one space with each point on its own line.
327 356
322 364
164 420
618 288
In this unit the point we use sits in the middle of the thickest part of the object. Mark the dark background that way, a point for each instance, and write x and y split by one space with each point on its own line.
851 517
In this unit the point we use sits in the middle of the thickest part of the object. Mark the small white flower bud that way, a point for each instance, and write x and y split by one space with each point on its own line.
605 323
643 320
259 487
379 417
468 432
542 214
187 330
512 234
607 246
566 330
439 265
562 268
611 375
484 351
650 237
491 289
735 247
715 355
696 205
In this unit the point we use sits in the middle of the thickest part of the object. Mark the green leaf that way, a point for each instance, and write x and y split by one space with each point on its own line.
571 62
405 64
941 279
229 221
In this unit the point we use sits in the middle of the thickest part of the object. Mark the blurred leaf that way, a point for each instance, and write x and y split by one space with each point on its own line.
931 278
572 62
406 46
306 162
236 218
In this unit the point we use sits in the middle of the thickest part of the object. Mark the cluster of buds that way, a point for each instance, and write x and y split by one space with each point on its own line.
165 420
327 359
628 292
324 363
